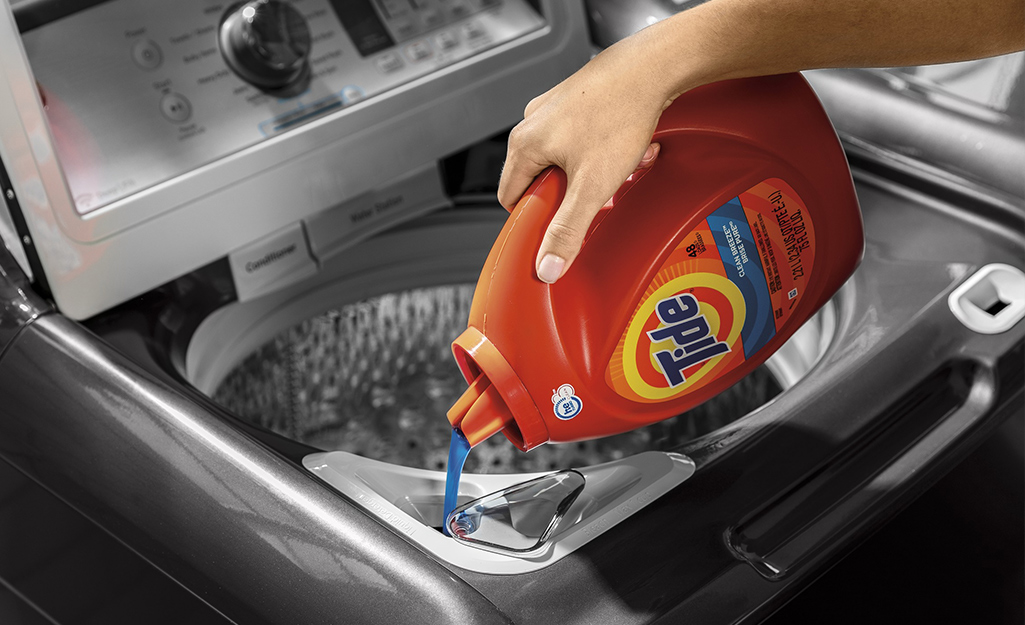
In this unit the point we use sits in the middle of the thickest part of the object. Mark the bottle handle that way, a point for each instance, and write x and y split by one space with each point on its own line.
546 193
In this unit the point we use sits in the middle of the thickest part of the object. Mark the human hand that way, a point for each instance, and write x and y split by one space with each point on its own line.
597 126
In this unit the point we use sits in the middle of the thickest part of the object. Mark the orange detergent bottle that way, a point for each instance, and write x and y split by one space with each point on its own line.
702 267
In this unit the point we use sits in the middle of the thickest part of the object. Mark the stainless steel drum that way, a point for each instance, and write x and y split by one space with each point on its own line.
364 365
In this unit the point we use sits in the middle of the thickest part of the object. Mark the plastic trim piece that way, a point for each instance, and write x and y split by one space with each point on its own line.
991 300
19 303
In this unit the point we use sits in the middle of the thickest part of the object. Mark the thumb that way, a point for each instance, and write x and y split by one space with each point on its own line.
585 196
565 234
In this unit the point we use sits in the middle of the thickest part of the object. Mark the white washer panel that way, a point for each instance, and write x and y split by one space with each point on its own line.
137 93
186 163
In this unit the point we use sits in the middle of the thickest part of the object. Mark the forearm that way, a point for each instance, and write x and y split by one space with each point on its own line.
597 124
736 38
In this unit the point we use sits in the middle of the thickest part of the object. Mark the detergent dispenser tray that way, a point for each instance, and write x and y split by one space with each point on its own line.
520 519
519 522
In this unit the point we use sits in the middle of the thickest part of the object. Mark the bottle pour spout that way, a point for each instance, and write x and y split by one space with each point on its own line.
480 412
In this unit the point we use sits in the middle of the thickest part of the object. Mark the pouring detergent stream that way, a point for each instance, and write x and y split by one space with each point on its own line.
458 450
703 266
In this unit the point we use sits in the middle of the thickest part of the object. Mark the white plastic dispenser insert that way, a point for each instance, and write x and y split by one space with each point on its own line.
991 300
410 500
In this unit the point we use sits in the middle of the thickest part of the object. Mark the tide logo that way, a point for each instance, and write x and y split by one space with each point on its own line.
693 340
689 320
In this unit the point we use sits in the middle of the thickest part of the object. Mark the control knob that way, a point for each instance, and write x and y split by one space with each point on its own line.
267 43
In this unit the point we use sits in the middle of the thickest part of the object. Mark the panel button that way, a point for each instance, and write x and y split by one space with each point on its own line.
403 28
446 40
473 29
147 54
352 94
389 62
175 107
431 17
418 50
393 8
271 262
459 9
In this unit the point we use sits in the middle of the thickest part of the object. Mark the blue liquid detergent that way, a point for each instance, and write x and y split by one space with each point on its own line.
458 449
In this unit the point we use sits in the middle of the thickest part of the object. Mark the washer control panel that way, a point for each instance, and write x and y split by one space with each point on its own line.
138 93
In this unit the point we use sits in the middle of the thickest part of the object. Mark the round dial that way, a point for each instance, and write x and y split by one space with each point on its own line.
267 43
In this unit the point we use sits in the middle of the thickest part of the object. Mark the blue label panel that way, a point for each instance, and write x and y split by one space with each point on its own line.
739 255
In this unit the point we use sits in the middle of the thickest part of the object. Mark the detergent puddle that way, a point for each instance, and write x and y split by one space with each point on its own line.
458 450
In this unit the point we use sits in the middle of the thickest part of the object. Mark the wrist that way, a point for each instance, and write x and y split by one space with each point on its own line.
690 49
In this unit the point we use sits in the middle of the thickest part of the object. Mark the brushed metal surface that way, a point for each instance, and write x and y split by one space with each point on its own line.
248 532
876 108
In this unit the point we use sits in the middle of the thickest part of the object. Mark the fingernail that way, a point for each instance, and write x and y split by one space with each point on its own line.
649 155
550 268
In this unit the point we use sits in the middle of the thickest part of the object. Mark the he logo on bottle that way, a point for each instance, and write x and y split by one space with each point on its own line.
691 335
567 404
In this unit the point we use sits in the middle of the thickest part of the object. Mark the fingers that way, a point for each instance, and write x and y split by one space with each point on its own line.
518 172
585 196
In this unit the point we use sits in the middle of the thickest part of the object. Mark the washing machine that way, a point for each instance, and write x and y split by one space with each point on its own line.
240 238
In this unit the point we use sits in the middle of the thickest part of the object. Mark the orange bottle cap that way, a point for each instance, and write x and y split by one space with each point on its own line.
480 412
